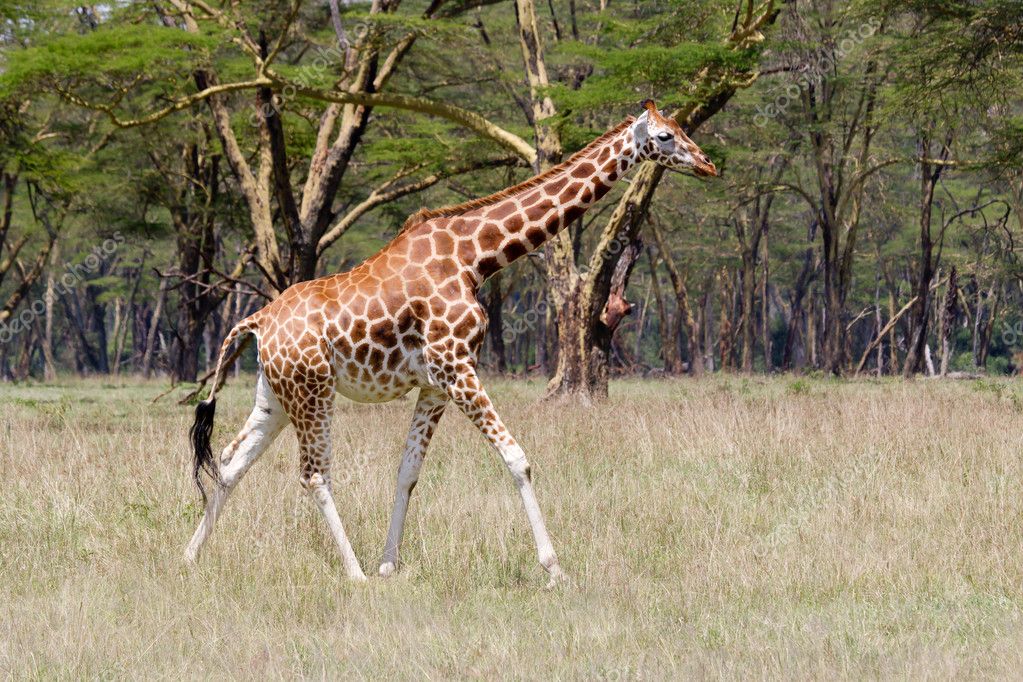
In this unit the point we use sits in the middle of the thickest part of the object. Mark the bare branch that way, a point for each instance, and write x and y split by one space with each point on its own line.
469 119
155 116
339 31
389 192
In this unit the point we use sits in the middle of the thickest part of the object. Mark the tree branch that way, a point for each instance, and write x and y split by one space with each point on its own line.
389 192
183 103
464 117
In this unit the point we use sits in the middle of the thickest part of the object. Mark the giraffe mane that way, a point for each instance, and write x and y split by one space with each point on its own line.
424 214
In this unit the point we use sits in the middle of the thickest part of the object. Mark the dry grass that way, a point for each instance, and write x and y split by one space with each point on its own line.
724 528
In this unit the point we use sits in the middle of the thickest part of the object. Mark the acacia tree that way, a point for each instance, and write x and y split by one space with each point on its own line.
580 291
20 170
750 220
310 218
297 76
188 184
939 89
837 122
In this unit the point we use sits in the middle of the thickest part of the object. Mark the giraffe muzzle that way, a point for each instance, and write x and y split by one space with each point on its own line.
705 168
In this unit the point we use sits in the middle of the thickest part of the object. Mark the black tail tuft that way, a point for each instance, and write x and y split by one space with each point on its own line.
200 434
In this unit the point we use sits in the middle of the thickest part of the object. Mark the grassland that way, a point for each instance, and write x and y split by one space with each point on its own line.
727 528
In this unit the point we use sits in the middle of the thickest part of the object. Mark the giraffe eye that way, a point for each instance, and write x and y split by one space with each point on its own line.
664 137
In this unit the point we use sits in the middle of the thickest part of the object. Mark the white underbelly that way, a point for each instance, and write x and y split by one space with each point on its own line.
376 392
358 382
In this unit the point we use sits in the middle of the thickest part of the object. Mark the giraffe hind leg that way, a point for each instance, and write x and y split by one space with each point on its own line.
261 429
311 407
314 442
429 408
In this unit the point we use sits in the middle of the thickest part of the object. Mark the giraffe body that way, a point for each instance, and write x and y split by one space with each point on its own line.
408 317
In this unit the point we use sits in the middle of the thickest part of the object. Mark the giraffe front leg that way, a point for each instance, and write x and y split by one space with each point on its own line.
466 391
429 408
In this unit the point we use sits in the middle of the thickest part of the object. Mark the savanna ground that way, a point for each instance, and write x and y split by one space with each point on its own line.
728 527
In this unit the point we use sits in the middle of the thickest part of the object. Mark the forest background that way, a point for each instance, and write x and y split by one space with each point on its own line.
168 166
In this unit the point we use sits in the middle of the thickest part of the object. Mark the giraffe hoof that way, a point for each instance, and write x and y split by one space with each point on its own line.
387 569
559 579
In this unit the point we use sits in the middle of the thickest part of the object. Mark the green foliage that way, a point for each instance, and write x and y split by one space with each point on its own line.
114 52
627 75
946 54
1004 152
945 65
52 167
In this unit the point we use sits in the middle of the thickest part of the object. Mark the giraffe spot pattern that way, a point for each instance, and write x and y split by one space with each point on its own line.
409 316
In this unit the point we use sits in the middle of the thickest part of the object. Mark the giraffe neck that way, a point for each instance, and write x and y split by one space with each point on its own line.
520 223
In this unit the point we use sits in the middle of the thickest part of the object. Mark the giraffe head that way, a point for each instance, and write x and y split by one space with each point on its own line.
662 140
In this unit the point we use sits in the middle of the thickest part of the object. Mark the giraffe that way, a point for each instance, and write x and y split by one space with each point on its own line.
408 317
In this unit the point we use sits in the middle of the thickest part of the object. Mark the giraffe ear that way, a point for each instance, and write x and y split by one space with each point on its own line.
639 128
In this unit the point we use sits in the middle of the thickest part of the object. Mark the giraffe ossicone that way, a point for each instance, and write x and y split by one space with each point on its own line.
408 317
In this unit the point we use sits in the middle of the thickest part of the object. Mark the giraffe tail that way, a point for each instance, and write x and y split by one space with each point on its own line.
202 428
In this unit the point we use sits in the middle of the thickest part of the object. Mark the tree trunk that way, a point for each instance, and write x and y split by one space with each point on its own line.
878 326
641 322
581 299
706 323
726 328
833 322
796 336
154 325
583 348
683 317
746 322
495 325
544 338
948 319
669 341
929 176
765 310
185 353
811 329
99 327
987 329
127 316
50 366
